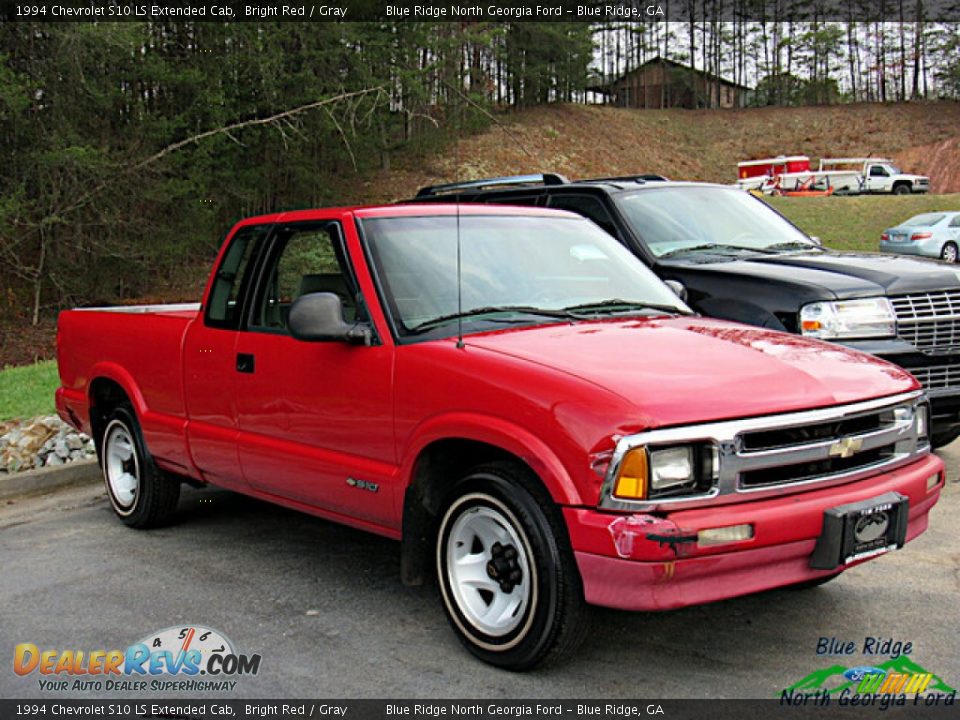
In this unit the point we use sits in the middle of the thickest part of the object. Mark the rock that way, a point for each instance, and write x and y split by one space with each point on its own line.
74 442
61 449
53 460
76 454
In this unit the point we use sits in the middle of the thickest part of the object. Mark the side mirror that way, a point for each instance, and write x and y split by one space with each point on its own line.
678 288
816 240
319 316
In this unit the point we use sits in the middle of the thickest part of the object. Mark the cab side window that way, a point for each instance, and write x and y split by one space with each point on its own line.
589 207
878 171
955 223
233 278
305 259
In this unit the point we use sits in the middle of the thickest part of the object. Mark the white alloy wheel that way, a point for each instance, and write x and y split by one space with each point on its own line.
121 467
488 566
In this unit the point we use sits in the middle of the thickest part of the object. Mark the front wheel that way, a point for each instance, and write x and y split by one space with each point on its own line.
901 190
141 494
949 253
507 576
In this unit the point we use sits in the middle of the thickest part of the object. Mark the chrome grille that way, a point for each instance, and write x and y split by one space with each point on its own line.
821 450
938 378
763 456
929 321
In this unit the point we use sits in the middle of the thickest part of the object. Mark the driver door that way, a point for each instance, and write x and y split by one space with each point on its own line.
878 179
315 418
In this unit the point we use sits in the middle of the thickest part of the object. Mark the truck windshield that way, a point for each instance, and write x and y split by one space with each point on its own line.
514 270
679 221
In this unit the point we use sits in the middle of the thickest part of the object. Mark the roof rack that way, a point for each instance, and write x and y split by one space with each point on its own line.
540 179
642 178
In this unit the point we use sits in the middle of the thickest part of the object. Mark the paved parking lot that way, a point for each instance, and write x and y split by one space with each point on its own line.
324 608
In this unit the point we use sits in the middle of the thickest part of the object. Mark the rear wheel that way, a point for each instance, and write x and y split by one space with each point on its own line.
508 579
949 252
141 494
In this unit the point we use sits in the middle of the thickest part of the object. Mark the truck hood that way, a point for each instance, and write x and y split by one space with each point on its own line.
845 274
693 369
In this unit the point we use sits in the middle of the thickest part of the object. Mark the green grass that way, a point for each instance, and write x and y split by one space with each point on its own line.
28 391
855 223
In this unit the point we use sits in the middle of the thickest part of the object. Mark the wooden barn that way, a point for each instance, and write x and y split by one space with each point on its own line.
663 83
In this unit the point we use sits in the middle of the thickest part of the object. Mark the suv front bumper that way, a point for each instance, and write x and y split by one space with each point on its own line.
623 568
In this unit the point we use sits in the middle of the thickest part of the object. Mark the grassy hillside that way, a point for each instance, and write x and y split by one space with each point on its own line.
855 223
588 141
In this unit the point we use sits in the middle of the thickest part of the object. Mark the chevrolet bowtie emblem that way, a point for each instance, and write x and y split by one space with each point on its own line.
846 447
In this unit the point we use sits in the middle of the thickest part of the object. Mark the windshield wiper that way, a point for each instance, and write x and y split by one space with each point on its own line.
617 305
719 247
793 245
490 310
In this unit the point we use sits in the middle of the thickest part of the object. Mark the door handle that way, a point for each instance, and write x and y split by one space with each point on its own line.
245 362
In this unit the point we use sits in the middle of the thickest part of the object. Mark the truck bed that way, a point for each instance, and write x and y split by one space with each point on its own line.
139 347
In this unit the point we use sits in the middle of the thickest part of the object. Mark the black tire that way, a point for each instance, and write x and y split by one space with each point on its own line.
939 438
902 189
551 618
150 498
948 253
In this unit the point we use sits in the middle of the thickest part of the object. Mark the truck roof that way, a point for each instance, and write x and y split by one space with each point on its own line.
842 161
406 210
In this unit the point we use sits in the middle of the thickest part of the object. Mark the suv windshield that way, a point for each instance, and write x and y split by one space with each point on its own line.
685 220
514 270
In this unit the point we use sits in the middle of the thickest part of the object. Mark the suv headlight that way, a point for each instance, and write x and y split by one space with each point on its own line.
648 473
923 423
847 319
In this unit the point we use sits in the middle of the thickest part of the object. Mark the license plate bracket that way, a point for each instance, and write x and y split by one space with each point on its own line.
860 530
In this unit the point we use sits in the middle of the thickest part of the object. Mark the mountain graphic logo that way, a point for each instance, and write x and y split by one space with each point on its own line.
901 674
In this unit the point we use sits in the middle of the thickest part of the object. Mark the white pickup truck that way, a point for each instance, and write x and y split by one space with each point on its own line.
871 175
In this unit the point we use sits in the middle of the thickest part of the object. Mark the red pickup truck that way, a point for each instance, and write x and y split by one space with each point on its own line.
538 419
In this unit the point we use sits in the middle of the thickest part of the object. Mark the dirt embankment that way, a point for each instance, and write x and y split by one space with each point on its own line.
939 161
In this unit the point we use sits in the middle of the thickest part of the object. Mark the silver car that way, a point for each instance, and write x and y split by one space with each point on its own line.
933 234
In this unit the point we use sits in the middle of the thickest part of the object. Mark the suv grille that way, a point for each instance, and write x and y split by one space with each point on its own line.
929 321
938 377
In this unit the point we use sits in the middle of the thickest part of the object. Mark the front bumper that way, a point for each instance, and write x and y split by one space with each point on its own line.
623 568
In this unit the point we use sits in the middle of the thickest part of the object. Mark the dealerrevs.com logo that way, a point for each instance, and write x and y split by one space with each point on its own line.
185 658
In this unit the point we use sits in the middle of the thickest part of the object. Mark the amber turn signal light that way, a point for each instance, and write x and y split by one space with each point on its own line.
632 479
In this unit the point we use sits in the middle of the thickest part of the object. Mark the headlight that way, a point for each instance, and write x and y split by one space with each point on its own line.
651 473
842 319
923 423
671 469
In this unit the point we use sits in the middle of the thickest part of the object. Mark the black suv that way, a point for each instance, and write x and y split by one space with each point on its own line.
739 259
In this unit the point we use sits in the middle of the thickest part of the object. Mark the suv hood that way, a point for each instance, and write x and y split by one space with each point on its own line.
846 274
692 369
